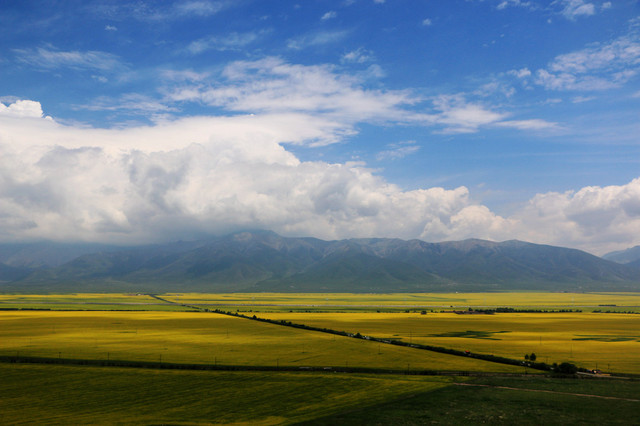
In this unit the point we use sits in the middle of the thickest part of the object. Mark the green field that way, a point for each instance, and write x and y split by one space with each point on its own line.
51 394
507 401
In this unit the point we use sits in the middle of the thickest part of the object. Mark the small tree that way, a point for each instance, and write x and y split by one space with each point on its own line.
533 357
567 368
526 357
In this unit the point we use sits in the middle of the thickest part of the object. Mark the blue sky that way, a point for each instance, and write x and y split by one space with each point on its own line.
125 122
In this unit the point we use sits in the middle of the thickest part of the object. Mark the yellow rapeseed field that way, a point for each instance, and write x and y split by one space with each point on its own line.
400 301
207 338
84 301
609 342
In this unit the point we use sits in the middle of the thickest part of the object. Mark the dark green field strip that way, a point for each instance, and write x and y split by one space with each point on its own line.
604 387
585 395
57 394
505 406
72 394
608 338
21 359
470 334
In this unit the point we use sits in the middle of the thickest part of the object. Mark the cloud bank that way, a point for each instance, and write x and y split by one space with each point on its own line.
212 175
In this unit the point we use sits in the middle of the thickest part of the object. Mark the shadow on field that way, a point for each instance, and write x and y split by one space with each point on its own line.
487 403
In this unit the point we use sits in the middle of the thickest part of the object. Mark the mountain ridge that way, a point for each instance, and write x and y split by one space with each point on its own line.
265 261
630 256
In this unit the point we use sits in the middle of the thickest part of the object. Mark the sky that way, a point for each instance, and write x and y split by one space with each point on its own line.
129 122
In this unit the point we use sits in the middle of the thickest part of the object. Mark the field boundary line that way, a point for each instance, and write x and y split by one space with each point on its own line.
25 359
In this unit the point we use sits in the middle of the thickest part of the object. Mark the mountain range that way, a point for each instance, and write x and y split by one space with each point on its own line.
629 256
260 261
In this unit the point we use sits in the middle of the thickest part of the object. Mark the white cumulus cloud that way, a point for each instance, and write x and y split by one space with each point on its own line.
201 175
600 219
21 108
193 176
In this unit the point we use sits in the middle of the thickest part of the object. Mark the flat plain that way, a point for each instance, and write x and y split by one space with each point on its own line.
610 342
602 301
205 338
52 394
86 301
591 330
219 331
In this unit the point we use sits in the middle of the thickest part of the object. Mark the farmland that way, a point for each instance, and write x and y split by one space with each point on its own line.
607 341
204 338
506 401
575 328
117 395
187 333
85 301
151 396
404 301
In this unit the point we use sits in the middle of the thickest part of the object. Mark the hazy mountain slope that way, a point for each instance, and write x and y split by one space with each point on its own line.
630 255
514 264
12 273
356 271
265 261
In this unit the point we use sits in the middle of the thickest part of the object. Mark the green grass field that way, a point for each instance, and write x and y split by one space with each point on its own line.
36 394
53 394
506 401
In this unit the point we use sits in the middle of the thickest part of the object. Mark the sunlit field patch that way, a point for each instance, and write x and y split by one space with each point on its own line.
206 338
85 301
411 301
591 340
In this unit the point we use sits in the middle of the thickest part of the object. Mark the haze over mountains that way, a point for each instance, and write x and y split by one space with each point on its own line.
630 256
265 261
